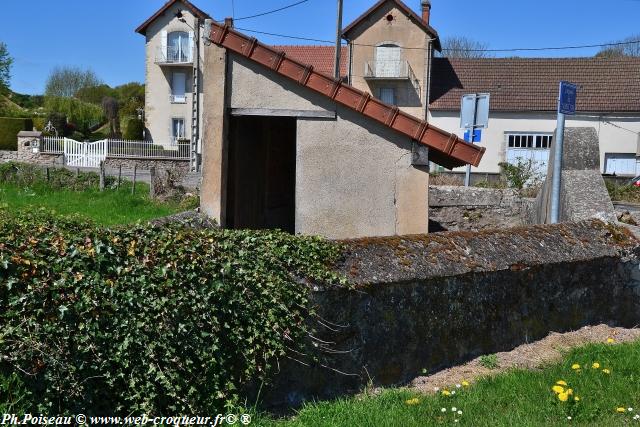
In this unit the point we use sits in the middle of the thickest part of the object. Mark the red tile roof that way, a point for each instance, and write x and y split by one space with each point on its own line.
531 84
321 57
404 8
142 29
445 148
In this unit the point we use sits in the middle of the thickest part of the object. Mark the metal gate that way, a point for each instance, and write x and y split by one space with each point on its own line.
84 154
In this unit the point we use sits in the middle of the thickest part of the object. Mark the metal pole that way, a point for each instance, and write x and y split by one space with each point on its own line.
467 176
557 170
338 41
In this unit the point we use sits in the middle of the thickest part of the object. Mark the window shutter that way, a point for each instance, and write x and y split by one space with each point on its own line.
164 43
191 49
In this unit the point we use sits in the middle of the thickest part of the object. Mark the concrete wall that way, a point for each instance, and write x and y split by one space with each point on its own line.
431 302
353 176
403 32
158 109
613 139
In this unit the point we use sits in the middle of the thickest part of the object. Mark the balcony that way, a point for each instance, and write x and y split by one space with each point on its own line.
178 99
174 55
389 70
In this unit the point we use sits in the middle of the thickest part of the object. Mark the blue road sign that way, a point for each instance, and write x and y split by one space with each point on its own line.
477 136
568 92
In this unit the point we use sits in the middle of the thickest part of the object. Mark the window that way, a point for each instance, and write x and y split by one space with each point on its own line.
178 88
179 46
388 60
177 129
388 95
535 141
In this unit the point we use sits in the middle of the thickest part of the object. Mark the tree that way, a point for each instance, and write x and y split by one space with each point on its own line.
463 47
630 48
66 82
95 94
5 67
110 108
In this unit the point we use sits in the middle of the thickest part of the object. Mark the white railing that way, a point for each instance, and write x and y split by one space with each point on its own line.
52 145
179 149
178 99
120 148
388 70
174 55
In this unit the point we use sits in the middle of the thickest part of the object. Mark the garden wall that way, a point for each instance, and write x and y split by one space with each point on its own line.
430 302
455 208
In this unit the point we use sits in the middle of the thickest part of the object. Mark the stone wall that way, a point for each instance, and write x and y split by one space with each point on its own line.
454 208
433 301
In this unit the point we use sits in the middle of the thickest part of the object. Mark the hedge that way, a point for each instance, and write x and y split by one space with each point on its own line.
9 129
134 129
168 320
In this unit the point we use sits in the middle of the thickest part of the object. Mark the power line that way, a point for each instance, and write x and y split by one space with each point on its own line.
461 50
271 11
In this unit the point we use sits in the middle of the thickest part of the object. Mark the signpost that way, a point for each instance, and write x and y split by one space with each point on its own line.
474 115
566 105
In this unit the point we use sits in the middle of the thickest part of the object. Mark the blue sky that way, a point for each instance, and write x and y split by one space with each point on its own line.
42 34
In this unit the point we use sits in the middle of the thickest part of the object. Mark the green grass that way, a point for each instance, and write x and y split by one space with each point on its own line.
516 398
109 207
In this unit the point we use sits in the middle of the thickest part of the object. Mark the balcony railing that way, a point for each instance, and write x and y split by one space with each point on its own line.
174 55
178 99
389 70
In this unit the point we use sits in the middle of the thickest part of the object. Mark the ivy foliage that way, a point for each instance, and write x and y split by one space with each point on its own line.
163 320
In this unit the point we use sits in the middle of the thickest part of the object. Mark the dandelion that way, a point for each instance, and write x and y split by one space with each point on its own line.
576 398
456 420
630 409
454 409
459 412
446 393
413 401
610 340
575 366
453 392
465 383
458 385
561 382
443 410
606 371
563 397
569 418
620 409
595 365
569 391
557 389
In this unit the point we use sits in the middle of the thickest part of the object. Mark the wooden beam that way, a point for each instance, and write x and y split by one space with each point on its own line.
274 112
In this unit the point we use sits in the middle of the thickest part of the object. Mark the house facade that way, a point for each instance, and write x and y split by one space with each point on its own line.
173 76
523 106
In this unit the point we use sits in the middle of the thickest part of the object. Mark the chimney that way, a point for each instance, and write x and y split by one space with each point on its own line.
228 22
426 11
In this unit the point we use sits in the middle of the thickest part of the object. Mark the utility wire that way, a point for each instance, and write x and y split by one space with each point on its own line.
461 50
271 11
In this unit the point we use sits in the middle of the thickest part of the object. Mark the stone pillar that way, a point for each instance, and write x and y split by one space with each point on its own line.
28 141
214 133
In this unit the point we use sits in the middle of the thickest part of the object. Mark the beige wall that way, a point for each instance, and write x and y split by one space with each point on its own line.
376 30
158 109
353 176
613 139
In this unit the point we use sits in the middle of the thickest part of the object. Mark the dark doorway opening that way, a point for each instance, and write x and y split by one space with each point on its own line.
261 176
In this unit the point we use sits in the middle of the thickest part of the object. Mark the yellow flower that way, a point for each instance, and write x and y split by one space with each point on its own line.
561 382
465 383
576 398
595 365
606 371
563 397
557 389
575 366
413 401
610 340
620 409
446 393
569 391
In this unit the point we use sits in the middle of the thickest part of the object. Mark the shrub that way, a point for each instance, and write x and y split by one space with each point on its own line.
523 173
163 320
82 114
9 129
134 129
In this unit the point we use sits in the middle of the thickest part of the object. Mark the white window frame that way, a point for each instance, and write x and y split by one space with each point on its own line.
173 97
174 137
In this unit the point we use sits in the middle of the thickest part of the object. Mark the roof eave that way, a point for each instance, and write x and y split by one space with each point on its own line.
142 28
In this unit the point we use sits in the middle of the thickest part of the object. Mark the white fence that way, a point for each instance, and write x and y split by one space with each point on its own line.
113 148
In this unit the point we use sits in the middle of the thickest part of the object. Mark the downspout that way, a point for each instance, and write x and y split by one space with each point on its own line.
427 79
